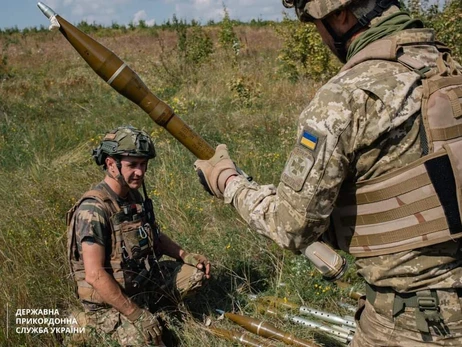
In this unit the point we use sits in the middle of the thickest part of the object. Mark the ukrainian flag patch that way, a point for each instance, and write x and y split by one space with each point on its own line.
309 140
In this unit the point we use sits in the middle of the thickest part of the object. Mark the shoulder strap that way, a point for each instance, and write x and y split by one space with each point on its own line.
104 198
384 49
101 196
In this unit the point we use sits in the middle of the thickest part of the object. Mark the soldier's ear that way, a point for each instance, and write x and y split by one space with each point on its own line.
110 162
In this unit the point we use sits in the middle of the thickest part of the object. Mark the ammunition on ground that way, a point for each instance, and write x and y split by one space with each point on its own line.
321 315
266 330
337 333
342 334
127 83
236 336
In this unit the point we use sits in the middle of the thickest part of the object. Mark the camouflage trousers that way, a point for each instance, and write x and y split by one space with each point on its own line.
180 280
378 327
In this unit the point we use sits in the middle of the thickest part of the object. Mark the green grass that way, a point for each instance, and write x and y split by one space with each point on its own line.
54 110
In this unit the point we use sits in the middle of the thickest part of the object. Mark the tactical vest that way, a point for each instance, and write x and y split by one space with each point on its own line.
420 204
131 248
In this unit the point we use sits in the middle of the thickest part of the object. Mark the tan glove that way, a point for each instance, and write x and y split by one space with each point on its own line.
214 173
148 325
199 261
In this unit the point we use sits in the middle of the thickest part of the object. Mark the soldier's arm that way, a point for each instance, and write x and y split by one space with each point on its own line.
169 247
101 281
296 212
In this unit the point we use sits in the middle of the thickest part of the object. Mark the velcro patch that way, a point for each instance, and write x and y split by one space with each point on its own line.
109 137
297 168
309 140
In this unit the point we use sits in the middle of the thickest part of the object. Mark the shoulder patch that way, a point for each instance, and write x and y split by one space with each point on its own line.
302 158
297 168
311 139
308 139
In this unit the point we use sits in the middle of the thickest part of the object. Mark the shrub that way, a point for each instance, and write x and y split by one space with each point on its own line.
448 25
303 53
226 36
193 48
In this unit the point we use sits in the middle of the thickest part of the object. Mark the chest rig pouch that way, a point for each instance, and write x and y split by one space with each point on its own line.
136 235
137 244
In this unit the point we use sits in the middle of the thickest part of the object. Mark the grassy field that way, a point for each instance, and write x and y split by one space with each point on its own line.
54 110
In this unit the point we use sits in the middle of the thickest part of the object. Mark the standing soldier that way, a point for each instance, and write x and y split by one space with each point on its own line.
114 244
375 171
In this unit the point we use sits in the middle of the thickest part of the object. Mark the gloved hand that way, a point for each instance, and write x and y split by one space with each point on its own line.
214 173
199 261
148 325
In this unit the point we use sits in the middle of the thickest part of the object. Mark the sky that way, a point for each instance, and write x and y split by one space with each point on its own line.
25 13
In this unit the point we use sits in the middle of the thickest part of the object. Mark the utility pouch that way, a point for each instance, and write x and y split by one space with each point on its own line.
425 304
137 240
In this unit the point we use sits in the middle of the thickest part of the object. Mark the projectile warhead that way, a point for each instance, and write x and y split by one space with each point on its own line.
126 82
46 10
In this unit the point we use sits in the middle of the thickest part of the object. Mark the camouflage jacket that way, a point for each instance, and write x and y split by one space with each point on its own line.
360 125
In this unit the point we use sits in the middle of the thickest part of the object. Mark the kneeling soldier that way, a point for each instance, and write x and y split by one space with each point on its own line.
114 243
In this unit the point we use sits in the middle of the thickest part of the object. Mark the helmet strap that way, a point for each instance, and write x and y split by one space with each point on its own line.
341 41
119 177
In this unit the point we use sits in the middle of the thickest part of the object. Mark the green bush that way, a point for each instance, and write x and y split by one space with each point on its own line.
226 36
244 91
448 25
303 53
193 48
199 46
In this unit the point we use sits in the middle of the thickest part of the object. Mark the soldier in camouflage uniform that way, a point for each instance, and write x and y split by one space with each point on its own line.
375 171
114 244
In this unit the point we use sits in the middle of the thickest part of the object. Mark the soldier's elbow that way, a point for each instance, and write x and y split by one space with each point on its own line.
93 276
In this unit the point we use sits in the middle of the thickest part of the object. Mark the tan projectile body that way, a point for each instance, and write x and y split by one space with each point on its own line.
267 330
236 336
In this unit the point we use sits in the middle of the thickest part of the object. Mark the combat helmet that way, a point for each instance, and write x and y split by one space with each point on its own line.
124 141
308 10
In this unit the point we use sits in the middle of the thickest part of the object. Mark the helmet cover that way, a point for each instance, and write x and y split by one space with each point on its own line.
124 141
315 9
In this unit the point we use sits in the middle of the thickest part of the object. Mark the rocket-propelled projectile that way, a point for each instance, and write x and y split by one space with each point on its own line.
125 81
236 336
267 330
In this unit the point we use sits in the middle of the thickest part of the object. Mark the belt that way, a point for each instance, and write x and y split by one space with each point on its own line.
425 303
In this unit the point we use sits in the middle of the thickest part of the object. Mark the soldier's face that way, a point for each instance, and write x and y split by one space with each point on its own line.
133 170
